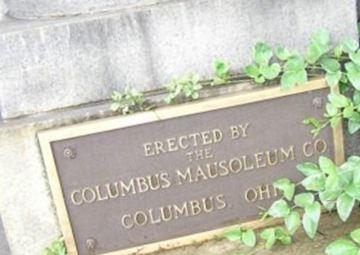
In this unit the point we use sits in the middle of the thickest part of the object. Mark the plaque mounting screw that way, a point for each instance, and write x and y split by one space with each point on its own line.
69 153
318 102
91 244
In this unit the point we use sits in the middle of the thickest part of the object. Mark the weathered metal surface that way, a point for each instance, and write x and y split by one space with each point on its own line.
169 177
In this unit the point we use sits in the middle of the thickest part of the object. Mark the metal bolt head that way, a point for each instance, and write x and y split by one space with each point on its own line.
69 153
91 244
318 102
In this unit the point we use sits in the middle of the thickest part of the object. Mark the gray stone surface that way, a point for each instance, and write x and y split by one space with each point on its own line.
4 246
28 216
32 9
47 65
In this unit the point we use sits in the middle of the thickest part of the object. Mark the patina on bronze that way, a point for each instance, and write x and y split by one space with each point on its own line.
132 181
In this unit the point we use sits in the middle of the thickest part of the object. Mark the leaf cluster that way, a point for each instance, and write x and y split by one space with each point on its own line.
129 101
349 246
326 186
222 72
56 248
187 87
246 236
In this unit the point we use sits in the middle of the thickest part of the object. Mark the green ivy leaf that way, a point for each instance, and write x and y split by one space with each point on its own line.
308 169
287 187
356 97
344 205
262 53
338 100
354 123
353 191
355 57
270 72
304 199
249 238
353 72
331 110
355 235
327 166
311 219
279 209
294 73
342 247
314 182
293 222
330 65
350 45
282 53
321 37
269 236
234 235
282 236
222 69
333 79
320 44
332 182
252 71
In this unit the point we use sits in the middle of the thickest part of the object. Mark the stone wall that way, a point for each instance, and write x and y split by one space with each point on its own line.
47 65
58 71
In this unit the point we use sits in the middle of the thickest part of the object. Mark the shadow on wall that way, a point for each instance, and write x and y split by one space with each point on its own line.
4 247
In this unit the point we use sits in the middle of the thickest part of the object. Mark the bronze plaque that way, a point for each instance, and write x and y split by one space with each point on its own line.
132 183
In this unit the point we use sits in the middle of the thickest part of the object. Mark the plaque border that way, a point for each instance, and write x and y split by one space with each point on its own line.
46 137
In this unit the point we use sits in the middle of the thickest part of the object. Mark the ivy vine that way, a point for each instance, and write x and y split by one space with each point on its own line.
326 185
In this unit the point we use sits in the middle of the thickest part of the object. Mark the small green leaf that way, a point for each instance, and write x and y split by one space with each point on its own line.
252 71
355 57
353 73
249 238
270 72
279 209
269 236
348 111
353 191
234 235
326 165
338 100
355 235
222 69
308 169
286 186
314 182
344 205
350 45
304 199
311 219
282 53
293 222
330 65
333 79
262 53
353 126
342 247
331 110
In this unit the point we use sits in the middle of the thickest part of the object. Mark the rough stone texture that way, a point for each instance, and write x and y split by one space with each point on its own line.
30 9
4 247
47 65
28 217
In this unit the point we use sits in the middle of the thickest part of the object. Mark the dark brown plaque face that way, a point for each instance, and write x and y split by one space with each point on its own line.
131 181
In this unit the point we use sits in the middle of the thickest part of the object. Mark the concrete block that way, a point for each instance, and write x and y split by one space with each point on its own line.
26 208
32 9
47 65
